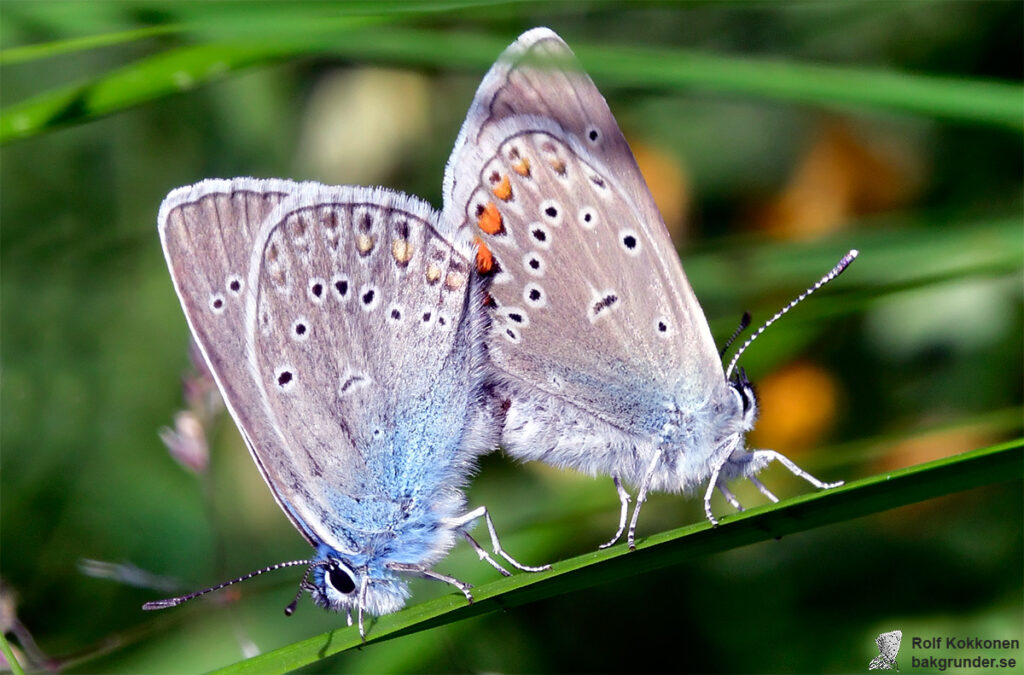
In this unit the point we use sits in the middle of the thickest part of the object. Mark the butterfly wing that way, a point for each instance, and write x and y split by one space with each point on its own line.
593 307
354 405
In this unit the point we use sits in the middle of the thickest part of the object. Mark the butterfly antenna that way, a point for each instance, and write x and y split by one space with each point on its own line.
174 602
303 587
744 324
833 273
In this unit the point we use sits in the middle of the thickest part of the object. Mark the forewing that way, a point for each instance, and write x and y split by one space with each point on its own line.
544 178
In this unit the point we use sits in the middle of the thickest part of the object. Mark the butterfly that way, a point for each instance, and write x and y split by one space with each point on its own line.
888 647
600 354
345 333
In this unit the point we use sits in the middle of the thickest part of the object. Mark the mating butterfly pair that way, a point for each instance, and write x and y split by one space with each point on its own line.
370 348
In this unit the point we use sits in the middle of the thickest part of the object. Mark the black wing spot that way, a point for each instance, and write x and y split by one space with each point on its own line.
368 297
341 287
351 382
604 303
284 378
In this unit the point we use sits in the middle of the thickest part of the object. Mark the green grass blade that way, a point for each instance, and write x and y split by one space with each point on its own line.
45 50
857 499
8 653
146 80
977 101
971 100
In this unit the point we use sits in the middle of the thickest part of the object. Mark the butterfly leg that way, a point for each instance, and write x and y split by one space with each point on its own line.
712 484
426 573
481 512
641 497
484 555
624 500
768 455
729 496
362 601
764 490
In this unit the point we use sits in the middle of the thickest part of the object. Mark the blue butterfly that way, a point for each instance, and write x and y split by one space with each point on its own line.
599 350
345 334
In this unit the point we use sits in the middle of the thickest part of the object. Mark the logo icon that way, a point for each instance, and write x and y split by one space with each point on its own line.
888 647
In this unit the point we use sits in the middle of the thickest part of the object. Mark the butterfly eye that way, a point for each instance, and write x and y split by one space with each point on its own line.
340 579
745 392
745 397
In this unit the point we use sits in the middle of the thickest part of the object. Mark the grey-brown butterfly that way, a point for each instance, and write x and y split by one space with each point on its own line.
602 357
345 334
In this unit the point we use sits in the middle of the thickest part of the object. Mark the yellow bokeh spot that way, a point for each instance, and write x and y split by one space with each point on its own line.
798 407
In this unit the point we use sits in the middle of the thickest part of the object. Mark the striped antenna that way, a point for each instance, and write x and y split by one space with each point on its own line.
174 602
744 324
835 272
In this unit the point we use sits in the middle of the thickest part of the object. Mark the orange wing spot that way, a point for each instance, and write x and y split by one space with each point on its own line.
484 257
558 165
522 167
503 190
489 219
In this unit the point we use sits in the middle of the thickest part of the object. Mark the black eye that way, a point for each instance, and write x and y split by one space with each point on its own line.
340 580
746 392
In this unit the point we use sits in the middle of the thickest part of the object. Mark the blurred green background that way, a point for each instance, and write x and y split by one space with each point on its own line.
914 354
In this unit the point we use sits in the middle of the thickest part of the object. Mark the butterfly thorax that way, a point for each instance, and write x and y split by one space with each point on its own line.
412 532
696 438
